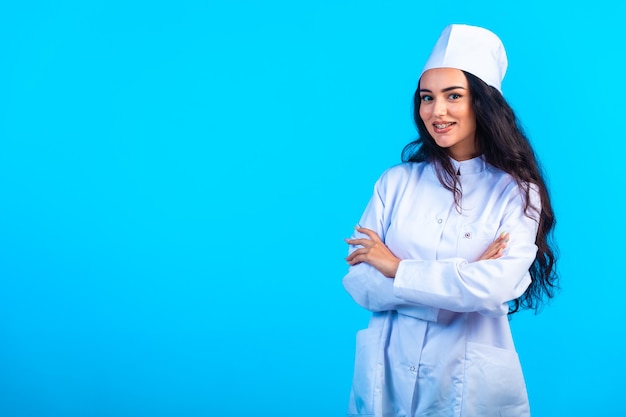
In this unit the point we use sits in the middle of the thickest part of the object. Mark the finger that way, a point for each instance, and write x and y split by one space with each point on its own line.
369 232
360 241
354 260
491 250
489 253
496 248
500 242
356 254
498 254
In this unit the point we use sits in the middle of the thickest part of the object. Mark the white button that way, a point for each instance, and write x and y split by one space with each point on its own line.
439 221
468 235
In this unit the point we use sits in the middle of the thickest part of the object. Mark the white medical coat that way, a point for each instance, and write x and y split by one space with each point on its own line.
439 343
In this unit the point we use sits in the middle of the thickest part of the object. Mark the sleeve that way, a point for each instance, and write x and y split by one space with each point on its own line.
366 285
483 286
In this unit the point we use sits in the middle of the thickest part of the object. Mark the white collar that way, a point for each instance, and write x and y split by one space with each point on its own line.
470 166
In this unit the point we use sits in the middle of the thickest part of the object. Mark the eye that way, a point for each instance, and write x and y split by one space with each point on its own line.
426 98
454 96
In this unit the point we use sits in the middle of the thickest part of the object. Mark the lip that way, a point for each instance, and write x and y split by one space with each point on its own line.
447 126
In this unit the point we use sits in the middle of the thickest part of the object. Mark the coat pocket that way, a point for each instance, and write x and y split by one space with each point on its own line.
494 384
368 371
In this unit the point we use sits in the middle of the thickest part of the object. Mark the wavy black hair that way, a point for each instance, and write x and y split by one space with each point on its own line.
503 143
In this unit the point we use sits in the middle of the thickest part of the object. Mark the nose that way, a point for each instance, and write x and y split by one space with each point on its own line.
440 108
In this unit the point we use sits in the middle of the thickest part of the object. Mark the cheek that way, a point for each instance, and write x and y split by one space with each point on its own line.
424 113
466 112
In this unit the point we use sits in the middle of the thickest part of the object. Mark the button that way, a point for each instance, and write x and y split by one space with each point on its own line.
468 235
412 369
439 221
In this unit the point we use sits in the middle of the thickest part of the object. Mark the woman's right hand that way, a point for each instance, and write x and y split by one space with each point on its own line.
496 249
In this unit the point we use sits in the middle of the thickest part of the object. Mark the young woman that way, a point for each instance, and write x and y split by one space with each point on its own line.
454 240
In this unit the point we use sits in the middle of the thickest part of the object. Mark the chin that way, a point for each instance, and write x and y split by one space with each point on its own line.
444 143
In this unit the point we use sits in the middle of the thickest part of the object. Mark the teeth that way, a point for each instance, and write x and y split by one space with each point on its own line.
442 126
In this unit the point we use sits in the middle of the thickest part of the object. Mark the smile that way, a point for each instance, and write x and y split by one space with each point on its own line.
443 125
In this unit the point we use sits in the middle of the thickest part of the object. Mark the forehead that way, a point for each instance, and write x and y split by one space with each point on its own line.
440 78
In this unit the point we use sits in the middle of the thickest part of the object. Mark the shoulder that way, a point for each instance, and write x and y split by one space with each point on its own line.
403 172
518 193
397 179
500 179
499 175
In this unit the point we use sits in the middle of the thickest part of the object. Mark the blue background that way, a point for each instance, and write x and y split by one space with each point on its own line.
177 179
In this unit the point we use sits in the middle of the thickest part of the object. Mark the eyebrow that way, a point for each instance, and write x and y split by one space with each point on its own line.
425 90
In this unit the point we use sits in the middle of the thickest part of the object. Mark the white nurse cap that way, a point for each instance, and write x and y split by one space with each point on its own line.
472 49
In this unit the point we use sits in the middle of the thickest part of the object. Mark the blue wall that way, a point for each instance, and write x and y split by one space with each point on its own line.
177 179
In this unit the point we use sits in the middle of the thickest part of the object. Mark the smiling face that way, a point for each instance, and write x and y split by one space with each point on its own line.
446 110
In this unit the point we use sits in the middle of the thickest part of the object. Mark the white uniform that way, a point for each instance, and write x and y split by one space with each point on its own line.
439 343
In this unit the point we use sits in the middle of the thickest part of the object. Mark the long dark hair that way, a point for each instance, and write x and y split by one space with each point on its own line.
502 141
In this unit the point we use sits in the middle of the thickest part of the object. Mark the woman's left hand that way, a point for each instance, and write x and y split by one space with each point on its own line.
374 252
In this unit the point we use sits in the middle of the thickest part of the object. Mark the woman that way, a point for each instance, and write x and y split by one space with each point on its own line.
453 240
